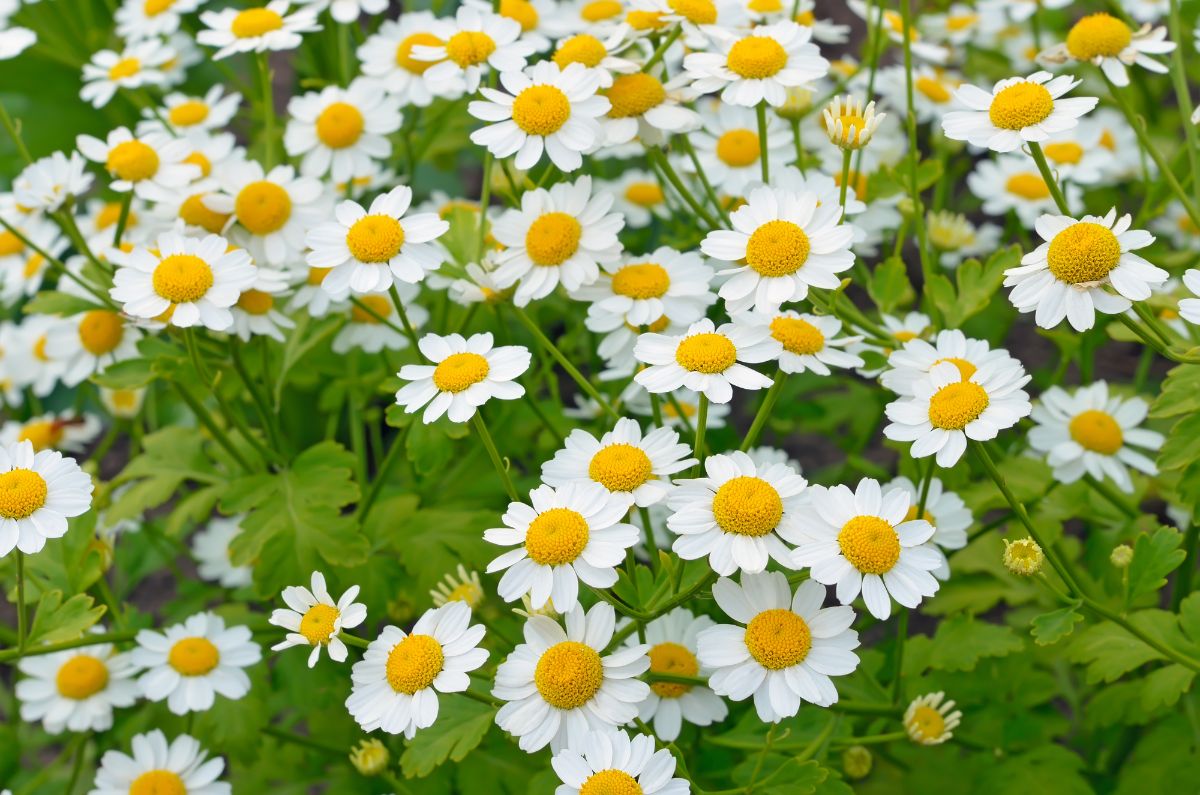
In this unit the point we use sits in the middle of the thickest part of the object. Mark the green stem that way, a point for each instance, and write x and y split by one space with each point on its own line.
664 164
21 628
662 48
761 111
397 445
214 430
1035 150
494 454
49 648
15 133
764 410
701 422
268 108
564 362
708 188
798 140
927 269
354 640
122 219
1118 501
651 544
409 331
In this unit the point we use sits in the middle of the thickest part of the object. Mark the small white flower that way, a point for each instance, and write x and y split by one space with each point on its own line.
135 66
315 619
66 432
49 182
342 131
150 19
1106 41
159 766
256 315
758 66
805 342
1017 110
642 289
955 238
705 358
930 721
152 166
476 40
387 55
608 761
194 115
375 324
729 150
89 342
269 27
210 548
465 374
945 510
76 690
38 493
1012 182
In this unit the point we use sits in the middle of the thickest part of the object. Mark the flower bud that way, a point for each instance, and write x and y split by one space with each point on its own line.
1122 556
857 762
370 757
1023 557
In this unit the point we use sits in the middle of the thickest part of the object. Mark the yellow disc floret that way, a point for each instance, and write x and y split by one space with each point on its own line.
965 369
379 306
182 278
698 12
756 57
620 467
263 207
404 52
100 331
1083 253
641 281
600 10
158 782
470 48
611 782
522 11
925 723
541 110
194 656
188 113
706 353
644 194
957 405
80 677
672 658
126 67
1098 36
1097 431
43 434
375 238
870 544
634 94
777 248
568 674
582 48
1028 186
797 335
933 89
460 371
414 663
778 639
1064 152
256 302
194 212
255 22
1021 105
556 537
738 148
22 493
747 506
553 239
132 161
340 125
317 623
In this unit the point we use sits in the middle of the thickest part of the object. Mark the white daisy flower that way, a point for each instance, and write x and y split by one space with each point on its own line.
945 510
639 196
788 242
1014 183
602 18
912 362
188 664
684 417
26 268
76 690
374 323
387 55
273 209
609 761
183 281
476 40
152 166
893 26
465 374
66 432
706 358
863 541
596 53
758 66
16 40
728 147
933 90
158 766
806 342
569 534
38 493
1066 276
622 461
958 26
946 409
1077 156
642 289
210 548
261 29
783 649
348 11
1106 41
342 131
122 403
89 342
49 182
1189 308
559 686
134 67
148 19
848 123
193 116
1018 110
459 586
1092 433
930 721
256 315
1178 226
955 238
27 361
546 109
645 108
558 235
738 515
1020 10
314 619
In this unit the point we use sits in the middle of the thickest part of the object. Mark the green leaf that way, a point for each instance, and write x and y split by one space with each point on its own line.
978 283
169 458
1189 617
1164 686
890 287
941 292
1182 446
961 641
1049 768
460 727
1179 393
52 302
129 374
1154 557
1109 652
56 620
1050 628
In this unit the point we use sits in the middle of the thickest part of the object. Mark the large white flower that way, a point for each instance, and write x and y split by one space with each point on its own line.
273 209
783 649
387 55
757 66
342 131
158 766
49 182
807 342
314 619
465 374
705 358
269 27
608 761
912 363
76 690
38 493
1018 110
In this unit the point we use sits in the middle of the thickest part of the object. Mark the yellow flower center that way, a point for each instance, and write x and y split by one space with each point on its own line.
698 12
927 723
10 244
193 656
858 183
1021 105
747 506
583 48
132 161
404 56
797 335
870 544
935 90
756 57
469 48
706 353
467 592
552 239
339 125
568 674
634 94
201 161
600 10
188 113
641 281
255 22
738 148
33 265
957 22
42 434
182 278
912 514
1028 186
965 369
458 371
556 537
620 467
109 214
80 677
778 639
611 782
766 6
256 302
1083 253
1065 152
39 349
672 658
378 304
957 405
317 623
805 18
852 128
126 67
644 194
1108 140
158 782
263 207
522 11
777 248
375 238
100 331
1098 36
541 110
153 8
414 663
645 20
22 492
316 276
194 213
1097 431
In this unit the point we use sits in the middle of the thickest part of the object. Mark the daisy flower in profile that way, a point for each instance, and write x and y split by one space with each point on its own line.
705 358
256 314
1066 276
945 510
260 29
783 649
459 586
863 540
608 761
66 432
89 342
15 40
930 720
184 281
546 109
848 123
273 209
645 108
1013 183
76 690
38 493
758 66
640 290
1018 110
558 684
564 535
313 618
1106 41
737 515
476 39
622 461
955 238
560 235
210 548
805 342
189 663
387 55
1189 308
1093 433
396 683
912 362
369 251
152 166
781 244
49 182
342 131
374 322
673 642
465 374
945 409
158 766
639 197
596 53
136 66
933 90
148 19
728 147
